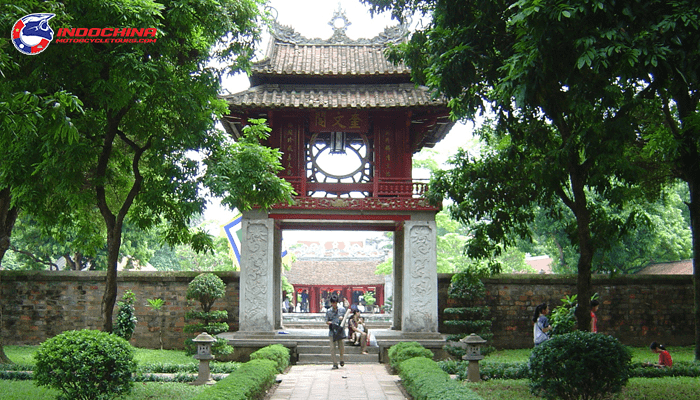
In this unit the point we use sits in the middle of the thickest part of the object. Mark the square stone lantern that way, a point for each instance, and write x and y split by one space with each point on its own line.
473 344
204 342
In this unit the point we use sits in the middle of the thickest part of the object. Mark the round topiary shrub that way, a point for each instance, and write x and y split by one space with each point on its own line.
85 365
579 365
206 288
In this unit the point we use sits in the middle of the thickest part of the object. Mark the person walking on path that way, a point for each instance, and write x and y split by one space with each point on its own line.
336 333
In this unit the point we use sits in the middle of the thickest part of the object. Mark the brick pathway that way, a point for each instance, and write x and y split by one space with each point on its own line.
352 382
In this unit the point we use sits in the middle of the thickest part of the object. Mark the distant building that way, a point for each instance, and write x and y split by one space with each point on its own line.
684 267
345 268
541 264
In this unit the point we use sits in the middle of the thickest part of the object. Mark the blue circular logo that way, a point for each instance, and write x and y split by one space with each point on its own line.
32 34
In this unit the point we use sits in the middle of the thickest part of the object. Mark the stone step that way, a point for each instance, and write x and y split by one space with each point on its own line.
348 358
305 348
322 325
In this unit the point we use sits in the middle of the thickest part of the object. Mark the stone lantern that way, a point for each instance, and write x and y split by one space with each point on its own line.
473 344
204 342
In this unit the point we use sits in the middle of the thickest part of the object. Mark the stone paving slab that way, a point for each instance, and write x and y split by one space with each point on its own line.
351 382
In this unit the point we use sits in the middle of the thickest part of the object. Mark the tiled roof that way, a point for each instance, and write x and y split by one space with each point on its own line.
336 96
334 272
328 60
684 267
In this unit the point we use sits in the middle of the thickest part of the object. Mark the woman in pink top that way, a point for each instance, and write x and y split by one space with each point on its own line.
594 318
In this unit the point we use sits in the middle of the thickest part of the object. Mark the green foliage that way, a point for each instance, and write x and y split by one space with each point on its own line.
424 380
244 173
249 381
579 365
369 298
404 350
126 316
85 365
563 318
206 289
466 287
156 303
276 352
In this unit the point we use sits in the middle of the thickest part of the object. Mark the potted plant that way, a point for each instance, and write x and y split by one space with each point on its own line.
370 300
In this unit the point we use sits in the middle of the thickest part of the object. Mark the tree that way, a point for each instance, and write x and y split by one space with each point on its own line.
31 122
147 106
563 132
663 40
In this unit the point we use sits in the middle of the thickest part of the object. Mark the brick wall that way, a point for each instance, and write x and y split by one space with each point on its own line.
635 309
37 305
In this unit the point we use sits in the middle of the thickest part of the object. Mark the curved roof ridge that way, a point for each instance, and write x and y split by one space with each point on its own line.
287 34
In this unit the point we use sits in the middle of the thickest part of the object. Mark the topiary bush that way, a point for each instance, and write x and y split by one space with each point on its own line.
206 289
579 365
85 365
405 350
126 317
467 289
276 352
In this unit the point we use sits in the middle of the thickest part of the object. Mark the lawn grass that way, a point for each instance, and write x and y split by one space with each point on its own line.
25 355
23 390
639 355
636 389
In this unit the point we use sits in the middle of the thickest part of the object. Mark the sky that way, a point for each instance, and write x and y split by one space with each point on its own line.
311 19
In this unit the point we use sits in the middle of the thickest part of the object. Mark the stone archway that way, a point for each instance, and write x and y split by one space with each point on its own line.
415 268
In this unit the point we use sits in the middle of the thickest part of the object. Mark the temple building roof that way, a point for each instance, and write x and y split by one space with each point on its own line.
334 272
273 96
298 73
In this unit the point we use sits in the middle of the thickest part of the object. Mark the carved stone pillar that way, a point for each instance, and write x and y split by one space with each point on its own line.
419 298
259 296
398 279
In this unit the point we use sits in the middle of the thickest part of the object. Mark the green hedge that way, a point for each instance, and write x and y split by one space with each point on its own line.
249 381
424 380
516 370
276 352
405 350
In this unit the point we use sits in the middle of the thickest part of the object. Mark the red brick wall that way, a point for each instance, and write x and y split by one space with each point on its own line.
40 304
635 309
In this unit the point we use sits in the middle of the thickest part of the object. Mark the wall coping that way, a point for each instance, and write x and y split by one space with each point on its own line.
122 276
596 280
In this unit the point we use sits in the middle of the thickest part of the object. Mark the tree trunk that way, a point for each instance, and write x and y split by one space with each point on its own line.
694 206
8 217
109 298
586 250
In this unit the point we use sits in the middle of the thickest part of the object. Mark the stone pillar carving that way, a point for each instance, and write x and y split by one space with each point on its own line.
420 310
397 305
257 289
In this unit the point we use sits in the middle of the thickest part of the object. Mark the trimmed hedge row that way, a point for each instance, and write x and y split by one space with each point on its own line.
493 370
424 380
422 377
405 350
252 379
249 381
275 352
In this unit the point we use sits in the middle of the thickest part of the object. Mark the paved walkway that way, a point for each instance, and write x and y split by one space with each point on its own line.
352 382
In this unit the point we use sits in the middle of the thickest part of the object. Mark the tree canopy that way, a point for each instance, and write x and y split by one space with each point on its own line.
563 131
147 107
